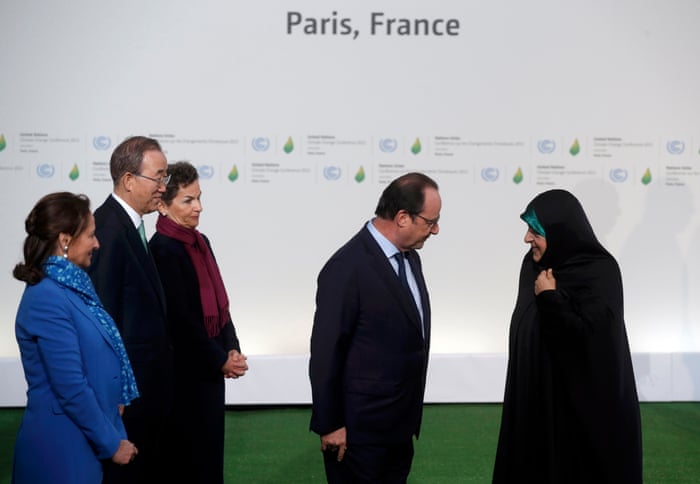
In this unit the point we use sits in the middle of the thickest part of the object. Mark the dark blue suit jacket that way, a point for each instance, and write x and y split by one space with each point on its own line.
127 282
368 357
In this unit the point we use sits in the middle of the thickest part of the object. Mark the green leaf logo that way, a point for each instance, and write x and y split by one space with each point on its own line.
74 173
360 175
289 145
575 148
518 177
3 143
646 179
416 147
233 174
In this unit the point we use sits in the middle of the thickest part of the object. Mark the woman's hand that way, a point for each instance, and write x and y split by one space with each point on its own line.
125 453
545 282
235 365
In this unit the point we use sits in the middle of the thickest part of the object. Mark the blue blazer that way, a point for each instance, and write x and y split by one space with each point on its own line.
368 357
71 420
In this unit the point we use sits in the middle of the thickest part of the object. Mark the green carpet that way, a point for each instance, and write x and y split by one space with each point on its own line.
269 445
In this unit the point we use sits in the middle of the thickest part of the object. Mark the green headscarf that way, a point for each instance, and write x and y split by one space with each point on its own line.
530 218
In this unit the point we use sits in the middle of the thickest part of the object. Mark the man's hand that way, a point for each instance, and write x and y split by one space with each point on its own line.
335 442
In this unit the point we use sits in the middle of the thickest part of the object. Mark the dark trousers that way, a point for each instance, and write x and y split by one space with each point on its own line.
370 464
153 463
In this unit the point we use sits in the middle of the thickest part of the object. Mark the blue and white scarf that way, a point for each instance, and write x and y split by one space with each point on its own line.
67 274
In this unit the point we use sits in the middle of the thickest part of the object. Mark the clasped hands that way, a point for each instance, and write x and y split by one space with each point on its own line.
235 365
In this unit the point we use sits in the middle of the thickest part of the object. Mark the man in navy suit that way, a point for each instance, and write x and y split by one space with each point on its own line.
371 337
127 282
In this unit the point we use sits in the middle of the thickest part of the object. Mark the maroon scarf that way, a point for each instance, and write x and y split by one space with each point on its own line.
212 293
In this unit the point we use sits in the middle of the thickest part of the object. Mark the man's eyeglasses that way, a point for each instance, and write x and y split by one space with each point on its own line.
161 179
428 221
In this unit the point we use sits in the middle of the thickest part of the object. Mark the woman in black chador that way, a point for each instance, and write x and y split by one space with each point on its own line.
570 411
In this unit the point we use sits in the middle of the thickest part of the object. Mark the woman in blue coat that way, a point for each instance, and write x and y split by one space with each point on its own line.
77 372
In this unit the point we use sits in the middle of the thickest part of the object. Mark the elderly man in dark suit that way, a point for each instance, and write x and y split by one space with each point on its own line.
127 282
370 339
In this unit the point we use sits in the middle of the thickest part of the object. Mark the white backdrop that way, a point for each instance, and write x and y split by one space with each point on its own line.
296 127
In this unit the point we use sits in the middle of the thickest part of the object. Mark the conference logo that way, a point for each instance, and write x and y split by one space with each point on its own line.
101 142
288 146
233 174
575 148
490 174
206 172
360 175
3 143
45 170
646 178
618 175
416 147
388 145
518 177
675 147
74 173
261 144
546 146
332 173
